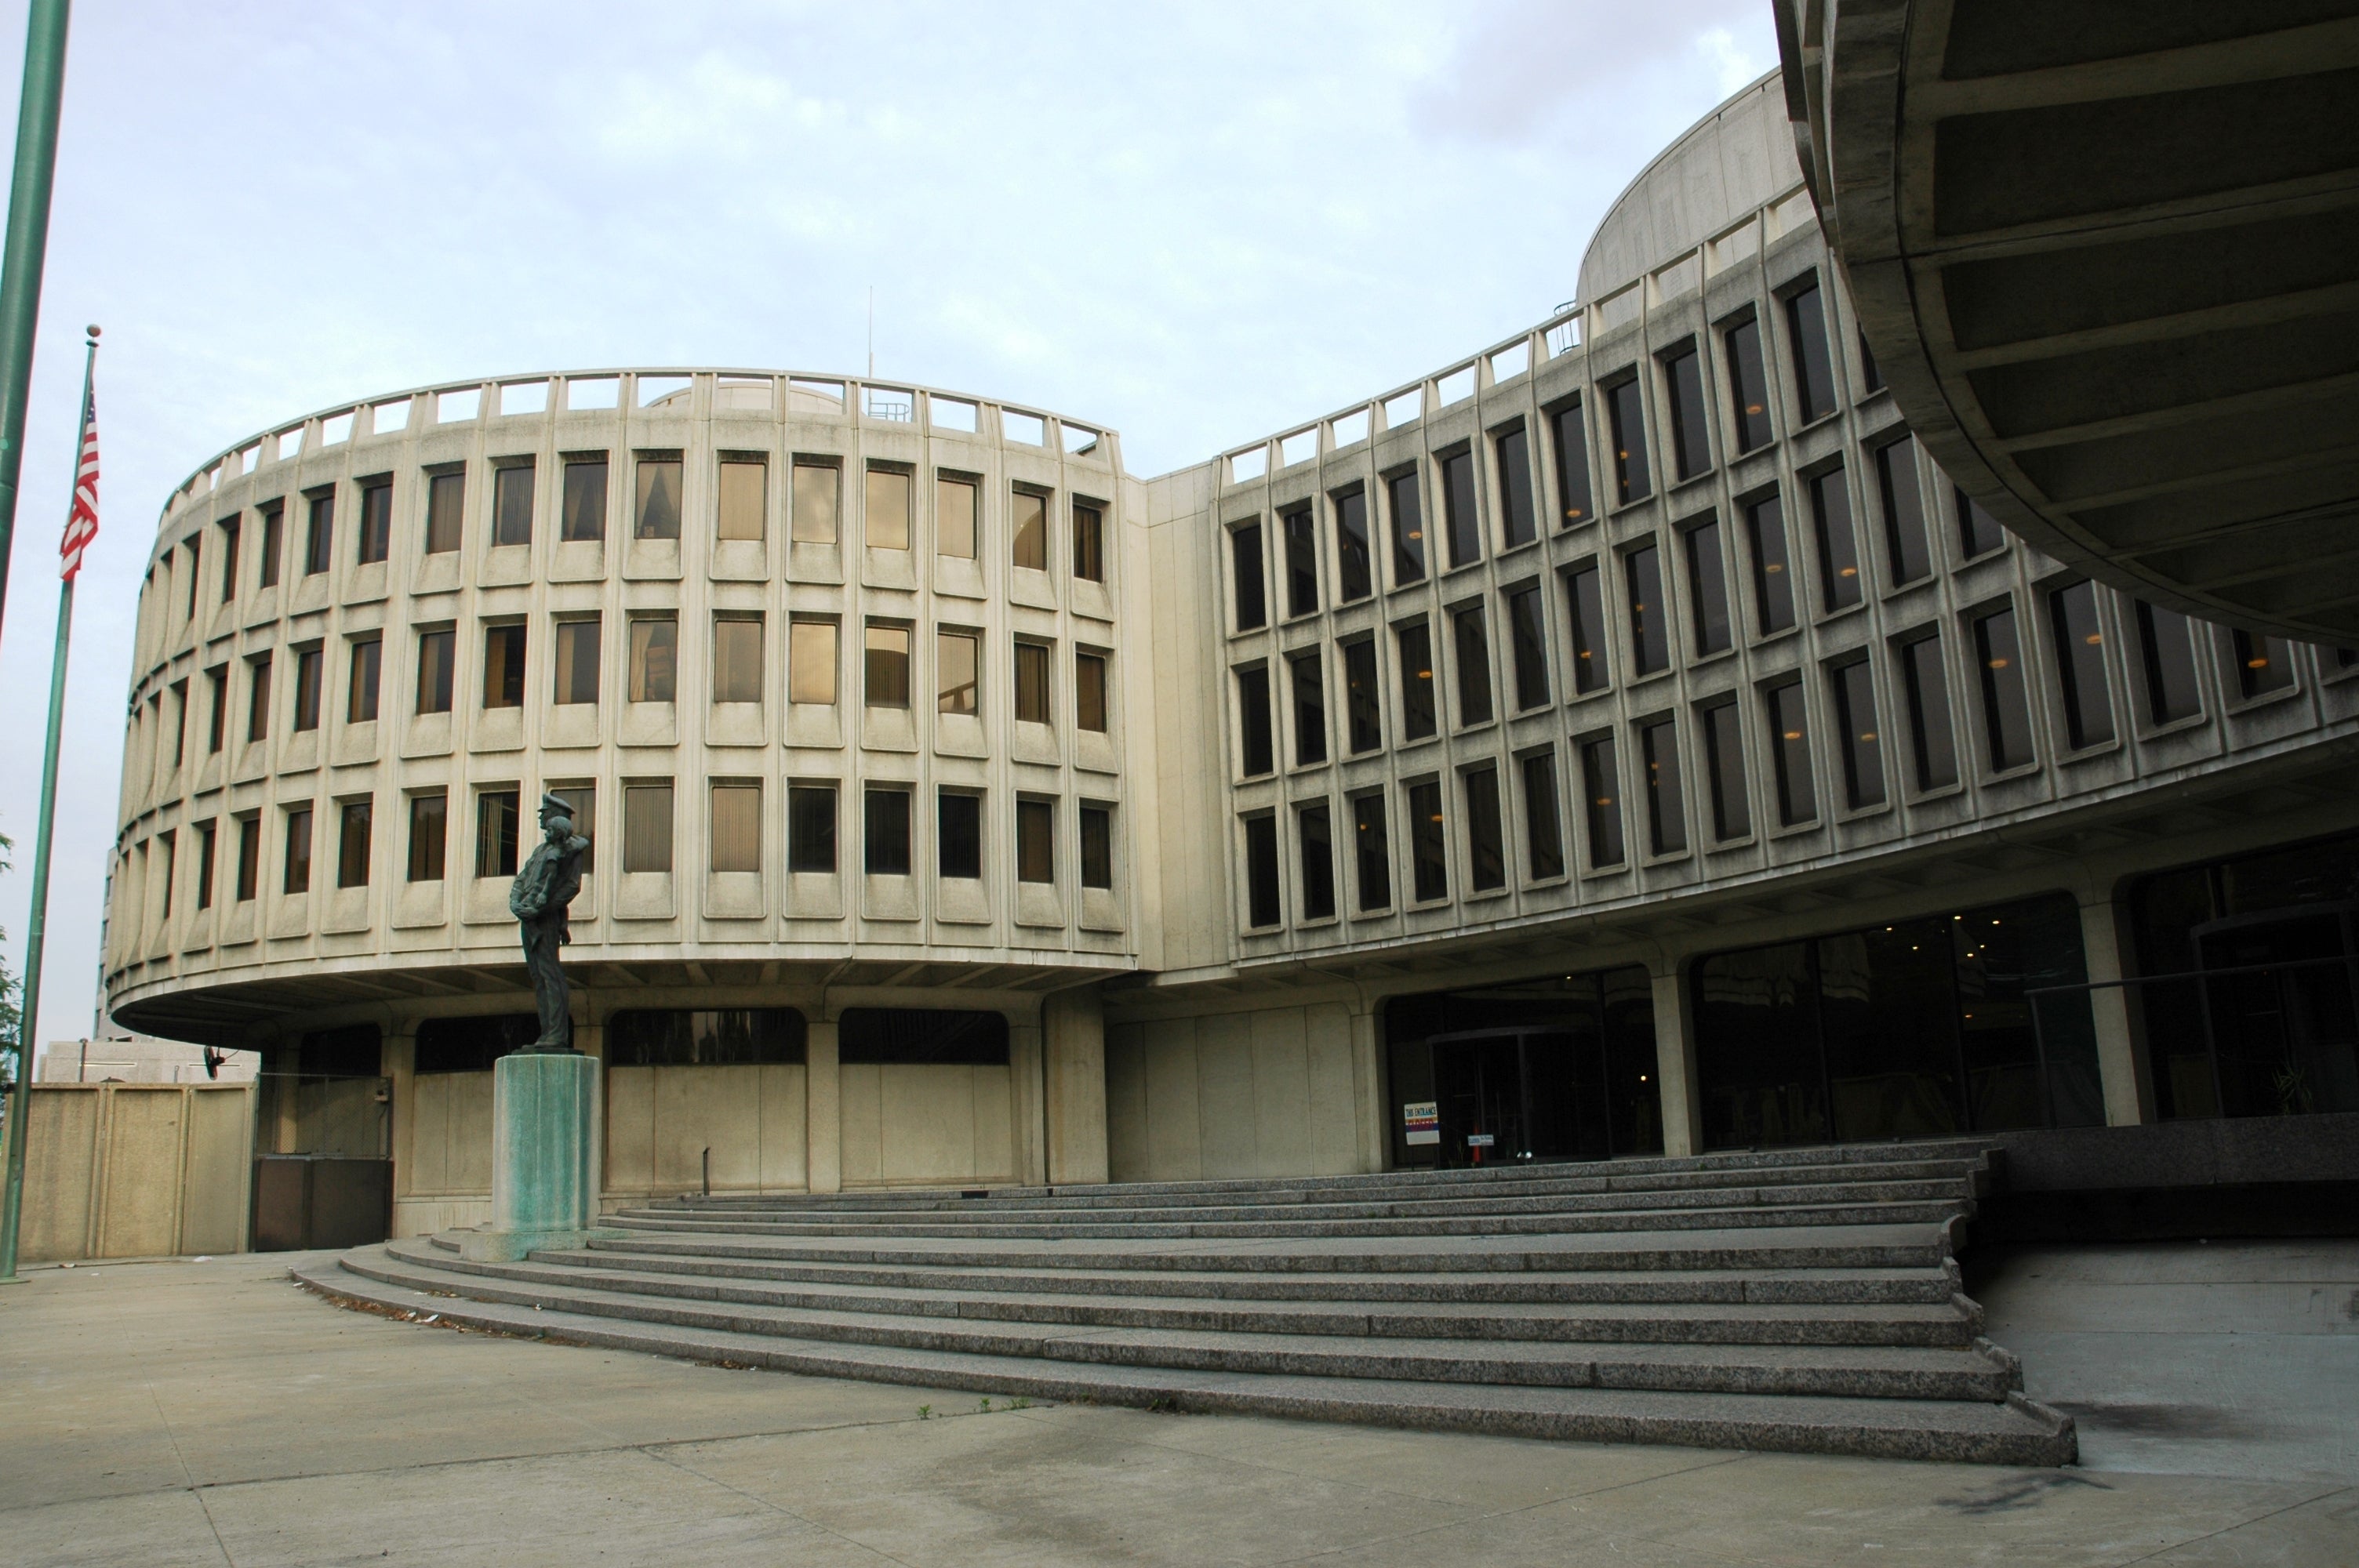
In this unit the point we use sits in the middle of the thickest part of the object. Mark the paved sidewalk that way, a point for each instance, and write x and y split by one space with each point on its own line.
184 1412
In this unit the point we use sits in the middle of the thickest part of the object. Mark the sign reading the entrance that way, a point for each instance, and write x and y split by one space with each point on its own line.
1422 1120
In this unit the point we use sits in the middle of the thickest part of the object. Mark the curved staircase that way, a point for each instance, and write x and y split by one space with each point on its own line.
1801 1299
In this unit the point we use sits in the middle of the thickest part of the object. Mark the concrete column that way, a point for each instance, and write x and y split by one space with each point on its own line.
399 1062
824 1131
1024 1066
1368 1090
590 1039
1675 1061
1072 1035
2120 1052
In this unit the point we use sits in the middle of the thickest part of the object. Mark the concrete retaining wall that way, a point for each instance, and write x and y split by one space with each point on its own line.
137 1170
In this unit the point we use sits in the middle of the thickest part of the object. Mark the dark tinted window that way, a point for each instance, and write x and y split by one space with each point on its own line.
1838 546
1572 499
1650 618
1814 376
1256 753
512 504
1301 563
1416 681
1036 842
1623 409
1904 511
810 827
582 514
1430 858
376 523
1691 447
1584 596
1253 604
1708 589
1863 742
2167 640
676 1037
1261 871
1316 839
1310 708
1543 827
2081 664
885 832
1408 528
1790 752
1487 850
1097 848
1372 858
1471 647
1458 508
1354 575
472 1044
1931 744
1527 637
1513 452
1363 709
901 1036
2007 704
1772 576
1978 531
958 834
1666 812
1603 803
1748 385
2263 664
1723 750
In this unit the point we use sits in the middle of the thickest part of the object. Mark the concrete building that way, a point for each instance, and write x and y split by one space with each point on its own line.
143 1059
1622 739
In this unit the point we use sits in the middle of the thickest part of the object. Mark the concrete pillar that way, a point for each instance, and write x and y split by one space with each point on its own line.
1029 1100
2120 1052
590 1039
398 1063
1072 1034
1675 1061
1370 1089
823 1130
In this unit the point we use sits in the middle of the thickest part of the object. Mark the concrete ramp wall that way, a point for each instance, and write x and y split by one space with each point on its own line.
137 1170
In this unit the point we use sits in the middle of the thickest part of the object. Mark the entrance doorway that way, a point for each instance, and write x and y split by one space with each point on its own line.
2284 1031
1508 1096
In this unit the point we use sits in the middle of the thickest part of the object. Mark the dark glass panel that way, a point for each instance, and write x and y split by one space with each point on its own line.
2081 664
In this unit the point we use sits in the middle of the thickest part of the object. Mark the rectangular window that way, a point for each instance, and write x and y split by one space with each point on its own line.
646 829
1527 637
430 835
1458 508
736 658
1028 539
1371 856
169 846
1315 842
1407 511
1931 748
1839 584
1790 754
1650 618
1708 589
1416 648
1253 604
1354 568
297 869
958 834
1255 754
1573 495
810 662
736 827
1862 739
1814 372
581 809
1667 811
1543 829
583 510
1904 511
1748 384
1308 680
816 501
2081 664
1363 707
438 658
1691 444
655 658
307 687
274 529
954 517
1486 849
1978 531
504 666
1090 692
180 722
1584 593
810 829
891 499
376 522
1097 848
1036 842
367 665
1511 452
1724 755
511 503
744 499
1603 803
206 835
1301 562
230 530
1089 544
1032 683
446 509
956 672
2263 664
195 548
1471 646
657 514
1773 583
495 833
2166 639
1262 907
320 535
1625 411
353 845
2007 701
249 857
1427 845
577 662
217 714
885 676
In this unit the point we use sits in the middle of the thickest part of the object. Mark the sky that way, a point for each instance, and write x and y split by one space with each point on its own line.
1194 224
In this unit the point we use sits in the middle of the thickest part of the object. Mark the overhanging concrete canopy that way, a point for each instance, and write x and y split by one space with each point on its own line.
2107 257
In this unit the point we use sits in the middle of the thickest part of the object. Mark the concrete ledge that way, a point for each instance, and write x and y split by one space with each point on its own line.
487 1245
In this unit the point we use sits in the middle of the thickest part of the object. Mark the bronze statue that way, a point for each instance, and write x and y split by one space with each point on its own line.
538 898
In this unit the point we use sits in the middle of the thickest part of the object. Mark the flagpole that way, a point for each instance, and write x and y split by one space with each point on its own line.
12 1203
28 247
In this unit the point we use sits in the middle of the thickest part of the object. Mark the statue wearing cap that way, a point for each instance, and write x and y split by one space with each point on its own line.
538 898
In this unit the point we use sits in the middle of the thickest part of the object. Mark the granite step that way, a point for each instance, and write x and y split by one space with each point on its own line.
2013 1431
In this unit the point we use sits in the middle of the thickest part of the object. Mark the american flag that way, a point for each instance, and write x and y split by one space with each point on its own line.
82 521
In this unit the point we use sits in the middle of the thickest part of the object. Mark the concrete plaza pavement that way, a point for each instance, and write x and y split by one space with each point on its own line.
212 1413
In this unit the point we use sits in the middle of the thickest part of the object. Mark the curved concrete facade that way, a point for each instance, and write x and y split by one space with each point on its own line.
1788 681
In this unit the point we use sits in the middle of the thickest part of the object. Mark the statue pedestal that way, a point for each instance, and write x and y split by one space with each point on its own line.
543 1109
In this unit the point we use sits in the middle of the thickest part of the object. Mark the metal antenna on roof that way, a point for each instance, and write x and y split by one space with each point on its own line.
872 332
